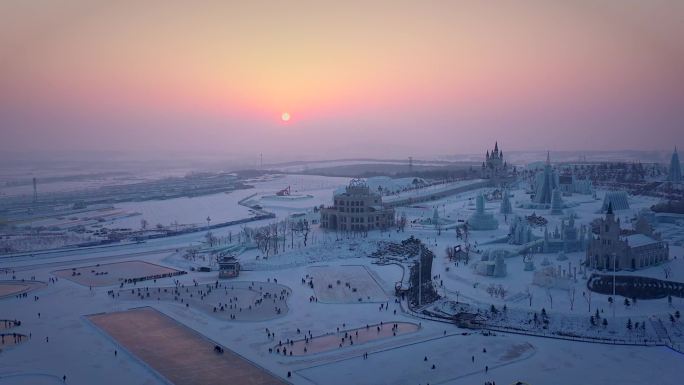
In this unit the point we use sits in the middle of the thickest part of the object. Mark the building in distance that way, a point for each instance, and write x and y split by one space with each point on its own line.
357 208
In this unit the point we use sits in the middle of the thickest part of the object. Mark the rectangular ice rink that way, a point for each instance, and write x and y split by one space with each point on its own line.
12 288
112 273
178 353
345 284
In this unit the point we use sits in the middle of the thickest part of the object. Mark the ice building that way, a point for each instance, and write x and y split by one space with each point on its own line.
520 232
494 166
357 208
569 184
610 250
556 203
569 238
556 278
481 220
545 182
617 199
506 207
492 264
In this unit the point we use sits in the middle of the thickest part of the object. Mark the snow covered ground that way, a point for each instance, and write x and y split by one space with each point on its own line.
63 342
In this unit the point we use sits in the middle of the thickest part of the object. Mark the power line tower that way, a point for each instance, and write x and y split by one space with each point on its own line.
410 164
35 190
261 161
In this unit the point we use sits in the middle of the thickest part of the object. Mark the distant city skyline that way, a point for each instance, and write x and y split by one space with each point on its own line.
334 80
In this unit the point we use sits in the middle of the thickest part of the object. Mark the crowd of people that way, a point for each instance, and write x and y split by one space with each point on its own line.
230 303
15 338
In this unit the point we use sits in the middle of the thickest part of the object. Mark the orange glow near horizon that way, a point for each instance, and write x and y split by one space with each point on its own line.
130 74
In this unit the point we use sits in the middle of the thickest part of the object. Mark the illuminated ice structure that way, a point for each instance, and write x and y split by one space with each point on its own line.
547 191
506 207
520 232
492 263
618 200
556 203
481 220
435 220
555 278
568 239
528 262
561 256
569 184
545 182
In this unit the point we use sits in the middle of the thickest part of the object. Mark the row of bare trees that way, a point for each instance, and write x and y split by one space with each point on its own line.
273 238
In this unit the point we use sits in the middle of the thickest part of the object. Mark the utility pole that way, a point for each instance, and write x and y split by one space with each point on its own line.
35 190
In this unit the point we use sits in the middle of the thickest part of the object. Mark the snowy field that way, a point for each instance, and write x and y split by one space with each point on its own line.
17 180
341 338
345 284
186 211
224 207
64 342
448 359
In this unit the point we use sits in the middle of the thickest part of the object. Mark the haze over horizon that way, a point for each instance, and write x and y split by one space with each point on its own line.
385 80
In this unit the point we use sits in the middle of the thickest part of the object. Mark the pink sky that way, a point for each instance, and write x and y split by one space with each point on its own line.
384 79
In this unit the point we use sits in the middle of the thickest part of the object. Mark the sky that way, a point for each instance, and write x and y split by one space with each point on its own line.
358 78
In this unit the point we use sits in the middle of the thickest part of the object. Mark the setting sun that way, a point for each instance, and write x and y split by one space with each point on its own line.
285 117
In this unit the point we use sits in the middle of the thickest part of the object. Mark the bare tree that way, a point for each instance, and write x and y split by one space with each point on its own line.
262 238
273 245
571 297
587 297
529 295
210 238
283 230
305 230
